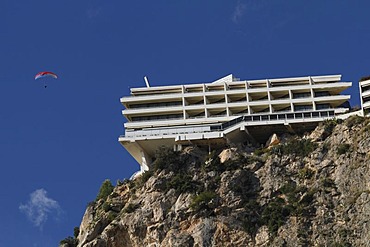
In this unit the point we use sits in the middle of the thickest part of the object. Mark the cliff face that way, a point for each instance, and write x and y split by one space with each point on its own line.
312 190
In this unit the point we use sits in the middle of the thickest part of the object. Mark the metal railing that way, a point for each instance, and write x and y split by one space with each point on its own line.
286 117
167 131
274 117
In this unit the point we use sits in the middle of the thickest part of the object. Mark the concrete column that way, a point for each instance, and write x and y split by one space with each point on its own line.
269 95
228 111
177 147
310 80
145 161
361 99
313 99
183 103
291 103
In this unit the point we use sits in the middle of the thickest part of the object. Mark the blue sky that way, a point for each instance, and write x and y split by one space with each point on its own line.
59 144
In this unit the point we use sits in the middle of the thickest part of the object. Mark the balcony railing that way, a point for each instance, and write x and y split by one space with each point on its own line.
272 117
286 117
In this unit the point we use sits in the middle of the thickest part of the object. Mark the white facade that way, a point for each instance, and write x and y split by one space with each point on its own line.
365 95
226 110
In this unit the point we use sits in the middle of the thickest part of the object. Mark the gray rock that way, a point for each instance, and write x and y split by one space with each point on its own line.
325 201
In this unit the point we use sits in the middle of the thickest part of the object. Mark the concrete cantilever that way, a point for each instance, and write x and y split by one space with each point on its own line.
227 110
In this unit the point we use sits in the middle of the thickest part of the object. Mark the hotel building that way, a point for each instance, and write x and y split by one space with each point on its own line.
365 95
228 110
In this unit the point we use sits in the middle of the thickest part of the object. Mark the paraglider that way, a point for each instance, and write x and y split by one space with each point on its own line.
45 74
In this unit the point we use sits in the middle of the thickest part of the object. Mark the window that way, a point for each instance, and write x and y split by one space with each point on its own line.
322 106
366 99
322 94
159 104
302 107
366 88
301 95
158 117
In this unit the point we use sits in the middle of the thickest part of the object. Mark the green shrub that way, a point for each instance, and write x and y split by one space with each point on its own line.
343 148
201 201
328 183
260 151
296 201
105 190
288 188
308 197
233 164
340 244
252 221
329 126
212 163
144 177
367 128
212 184
130 208
292 192
111 216
303 207
166 159
278 149
354 120
302 147
275 214
76 231
326 146
343 233
305 173
106 206
122 182
181 183
69 241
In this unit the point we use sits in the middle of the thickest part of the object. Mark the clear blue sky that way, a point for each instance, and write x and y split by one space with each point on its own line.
58 144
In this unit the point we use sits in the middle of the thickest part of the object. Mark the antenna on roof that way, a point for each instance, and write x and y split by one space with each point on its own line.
146 81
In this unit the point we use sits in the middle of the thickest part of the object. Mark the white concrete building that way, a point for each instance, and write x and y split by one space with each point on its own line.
227 110
365 95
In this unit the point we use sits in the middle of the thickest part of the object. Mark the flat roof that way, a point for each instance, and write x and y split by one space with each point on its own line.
230 80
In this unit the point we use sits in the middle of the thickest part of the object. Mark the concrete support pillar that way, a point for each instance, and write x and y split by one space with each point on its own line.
289 128
250 139
177 147
145 161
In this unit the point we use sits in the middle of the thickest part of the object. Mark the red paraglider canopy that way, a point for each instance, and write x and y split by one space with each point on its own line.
45 74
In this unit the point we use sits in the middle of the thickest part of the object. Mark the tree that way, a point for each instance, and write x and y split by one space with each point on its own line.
105 190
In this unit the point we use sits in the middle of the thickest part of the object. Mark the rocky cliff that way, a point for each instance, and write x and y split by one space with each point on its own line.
310 190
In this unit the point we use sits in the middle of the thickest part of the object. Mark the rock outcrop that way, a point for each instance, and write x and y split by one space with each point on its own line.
312 190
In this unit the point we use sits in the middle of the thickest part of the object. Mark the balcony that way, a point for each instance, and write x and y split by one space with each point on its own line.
155 105
139 111
156 118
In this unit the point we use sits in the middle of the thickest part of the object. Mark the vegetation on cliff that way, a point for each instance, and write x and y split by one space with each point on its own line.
307 190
